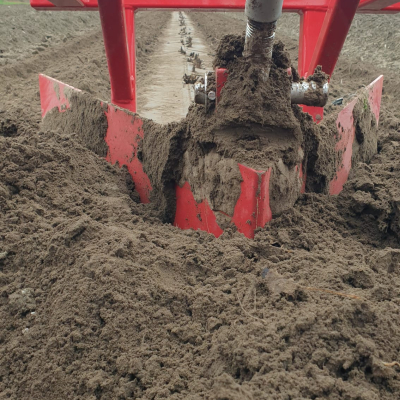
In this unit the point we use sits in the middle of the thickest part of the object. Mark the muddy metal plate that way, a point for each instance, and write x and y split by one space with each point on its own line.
123 135
252 210
346 133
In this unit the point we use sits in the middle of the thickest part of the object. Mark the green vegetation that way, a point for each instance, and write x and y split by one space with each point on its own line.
365 104
10 2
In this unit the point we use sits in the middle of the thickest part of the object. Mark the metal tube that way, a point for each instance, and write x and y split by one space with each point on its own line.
309 93
306 93
263 10
260 32
130 35
114 34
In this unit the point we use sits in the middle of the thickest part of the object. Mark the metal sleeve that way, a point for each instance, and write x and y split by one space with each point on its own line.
263 10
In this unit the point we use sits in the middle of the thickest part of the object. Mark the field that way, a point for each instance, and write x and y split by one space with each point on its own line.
100 298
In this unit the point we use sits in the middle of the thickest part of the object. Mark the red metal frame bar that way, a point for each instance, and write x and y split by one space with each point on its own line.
324 26
332 35
114 33
212 5
130 32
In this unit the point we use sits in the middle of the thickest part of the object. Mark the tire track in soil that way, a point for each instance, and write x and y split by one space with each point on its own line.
164 97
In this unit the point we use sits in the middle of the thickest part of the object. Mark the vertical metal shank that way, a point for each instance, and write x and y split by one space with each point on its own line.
260 32
263 10
115 41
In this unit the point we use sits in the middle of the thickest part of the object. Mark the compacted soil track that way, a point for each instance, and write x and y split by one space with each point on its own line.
164 97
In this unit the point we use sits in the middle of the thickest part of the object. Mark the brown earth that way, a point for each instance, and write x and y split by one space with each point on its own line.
100 300
80 61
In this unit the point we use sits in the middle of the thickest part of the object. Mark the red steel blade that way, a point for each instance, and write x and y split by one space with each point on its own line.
124 130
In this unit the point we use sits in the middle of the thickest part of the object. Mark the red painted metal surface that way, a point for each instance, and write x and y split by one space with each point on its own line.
53 94
346 134
310 27
191 215
204 5
333 33
221 75
251 211
375 96
344 148
130 34
114 33
123 134
68 3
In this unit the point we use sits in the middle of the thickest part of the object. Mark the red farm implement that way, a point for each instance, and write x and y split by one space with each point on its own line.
324 25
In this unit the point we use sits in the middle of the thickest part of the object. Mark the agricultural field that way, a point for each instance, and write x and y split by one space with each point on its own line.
101 297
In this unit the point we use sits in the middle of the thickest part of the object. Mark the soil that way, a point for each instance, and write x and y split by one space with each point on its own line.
86 117
254 124
101 300
80 61
165 96
24 31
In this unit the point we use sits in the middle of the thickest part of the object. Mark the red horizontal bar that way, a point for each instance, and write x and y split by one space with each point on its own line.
214 5
205 5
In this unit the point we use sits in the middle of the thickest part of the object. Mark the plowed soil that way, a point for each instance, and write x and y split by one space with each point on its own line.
101 300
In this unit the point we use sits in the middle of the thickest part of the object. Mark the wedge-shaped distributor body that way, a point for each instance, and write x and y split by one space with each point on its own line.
118 135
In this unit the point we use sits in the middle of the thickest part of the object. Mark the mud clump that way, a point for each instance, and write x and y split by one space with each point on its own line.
254 124
229 50
161 153
365 145
320 155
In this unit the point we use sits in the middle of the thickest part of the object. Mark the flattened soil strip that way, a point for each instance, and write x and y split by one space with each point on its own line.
163 97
